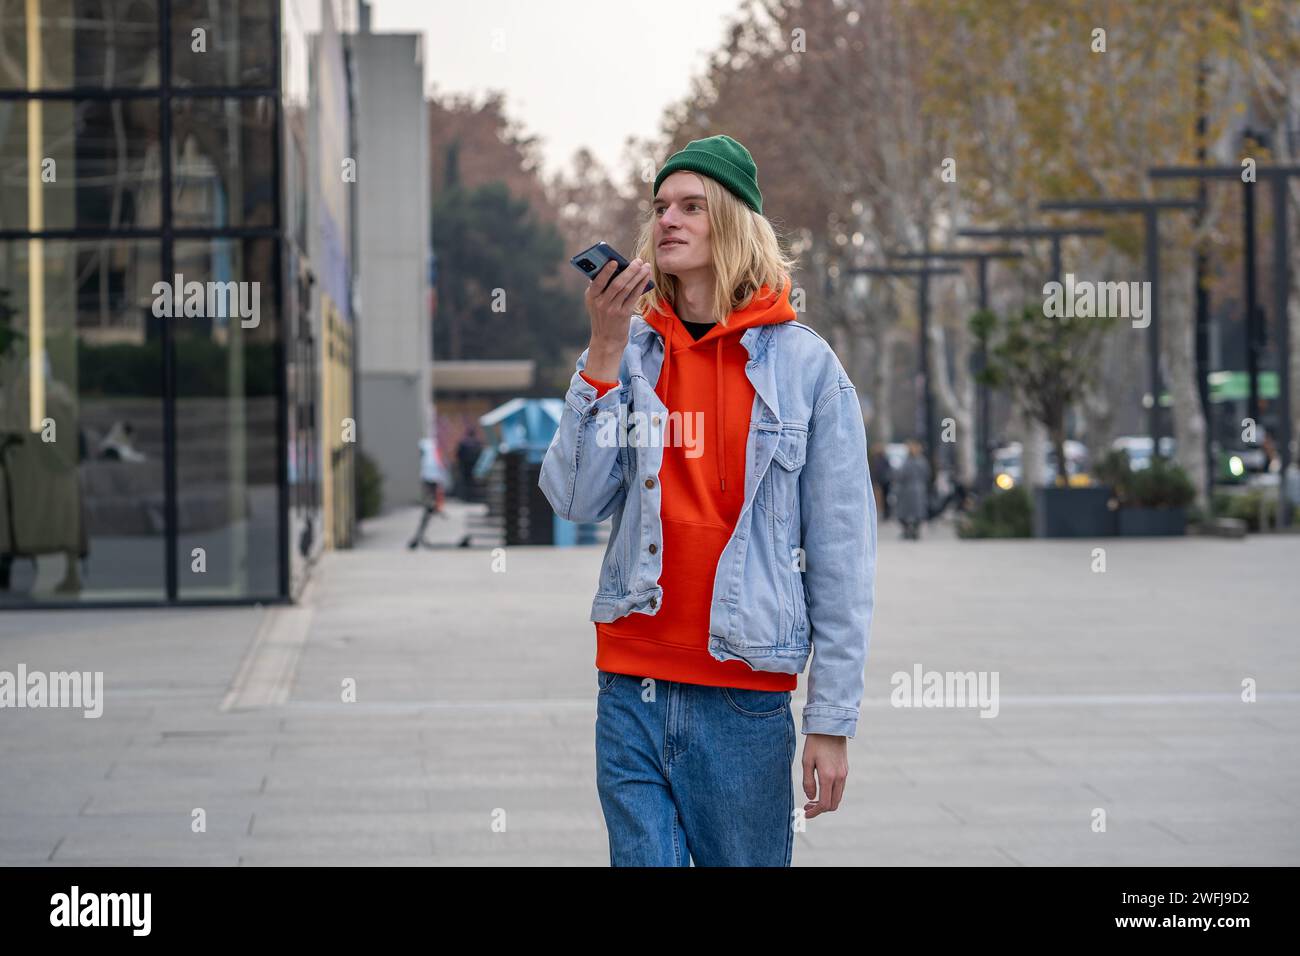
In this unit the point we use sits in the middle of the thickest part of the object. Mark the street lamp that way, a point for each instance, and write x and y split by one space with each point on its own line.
1054 233
1150 210
1277 177
984 460
923 274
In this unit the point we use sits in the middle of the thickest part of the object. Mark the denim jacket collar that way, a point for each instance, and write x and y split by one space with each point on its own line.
758 369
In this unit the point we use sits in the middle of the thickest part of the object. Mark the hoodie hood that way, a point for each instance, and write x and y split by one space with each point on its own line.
765 308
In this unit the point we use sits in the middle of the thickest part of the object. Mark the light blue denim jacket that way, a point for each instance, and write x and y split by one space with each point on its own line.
806 487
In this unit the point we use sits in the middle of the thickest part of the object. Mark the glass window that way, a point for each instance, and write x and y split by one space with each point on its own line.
226 439
99 164
223 162
83 43
81 473
231 43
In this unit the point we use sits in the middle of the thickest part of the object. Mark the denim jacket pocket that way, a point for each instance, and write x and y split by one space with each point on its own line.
781 497
792 448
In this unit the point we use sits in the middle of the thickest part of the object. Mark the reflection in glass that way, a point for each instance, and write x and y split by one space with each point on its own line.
235 47
81 474
96 164
223 162
226 440
81 43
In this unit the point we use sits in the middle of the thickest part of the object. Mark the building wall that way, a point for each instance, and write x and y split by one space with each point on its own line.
334 262
150 454
140 442
391 399
393 210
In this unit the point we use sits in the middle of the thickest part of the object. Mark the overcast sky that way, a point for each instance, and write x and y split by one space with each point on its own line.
574 74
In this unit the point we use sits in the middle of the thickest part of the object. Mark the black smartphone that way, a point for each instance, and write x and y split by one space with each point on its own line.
591 260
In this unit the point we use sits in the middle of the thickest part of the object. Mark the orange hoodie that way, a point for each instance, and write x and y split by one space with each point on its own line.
703 490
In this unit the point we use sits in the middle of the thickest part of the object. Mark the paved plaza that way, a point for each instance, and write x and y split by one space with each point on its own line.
475 703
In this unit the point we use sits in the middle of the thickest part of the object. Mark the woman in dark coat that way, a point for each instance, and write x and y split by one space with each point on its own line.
911 485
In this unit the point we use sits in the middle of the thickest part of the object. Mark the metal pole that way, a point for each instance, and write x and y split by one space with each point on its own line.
1062 466
984 461
1202 268
1281 288
1203 353
925 403
1252 306
1150 209
979 358
1279 175
1152 231
923 311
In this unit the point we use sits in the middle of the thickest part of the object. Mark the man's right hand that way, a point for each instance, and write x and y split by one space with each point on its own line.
610 310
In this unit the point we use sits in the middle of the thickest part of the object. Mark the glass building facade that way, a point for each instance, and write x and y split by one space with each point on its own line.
175 307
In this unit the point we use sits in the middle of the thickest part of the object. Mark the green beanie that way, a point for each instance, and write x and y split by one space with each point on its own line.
722 158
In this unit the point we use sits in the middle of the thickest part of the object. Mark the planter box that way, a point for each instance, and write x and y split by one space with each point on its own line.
1148 522
1074 513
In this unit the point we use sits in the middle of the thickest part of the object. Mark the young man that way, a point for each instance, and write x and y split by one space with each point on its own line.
743 536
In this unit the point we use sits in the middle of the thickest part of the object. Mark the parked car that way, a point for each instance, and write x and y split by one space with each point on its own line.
1138 448
1007 470
1235 465
1241 465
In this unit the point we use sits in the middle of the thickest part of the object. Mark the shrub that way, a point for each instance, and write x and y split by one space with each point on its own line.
124 369
370 487
1162 484
1114 470
1250 507
1002 514
1221 504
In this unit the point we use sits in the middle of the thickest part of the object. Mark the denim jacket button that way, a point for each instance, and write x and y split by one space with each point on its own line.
654 602
653 548
649 482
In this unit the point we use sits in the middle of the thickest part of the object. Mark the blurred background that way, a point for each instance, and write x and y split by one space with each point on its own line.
405 182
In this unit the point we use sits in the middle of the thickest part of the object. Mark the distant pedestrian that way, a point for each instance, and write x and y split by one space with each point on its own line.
1272 460
467 454
881 476
433 476
912 491
1292 482
959 496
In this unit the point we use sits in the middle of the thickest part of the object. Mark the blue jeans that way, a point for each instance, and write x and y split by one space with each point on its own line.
696 774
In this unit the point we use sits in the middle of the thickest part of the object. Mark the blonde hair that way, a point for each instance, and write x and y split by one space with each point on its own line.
745 249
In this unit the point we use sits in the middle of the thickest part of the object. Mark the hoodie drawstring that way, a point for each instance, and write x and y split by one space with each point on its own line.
668 365
717 415
719 398
767 307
